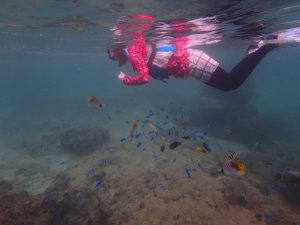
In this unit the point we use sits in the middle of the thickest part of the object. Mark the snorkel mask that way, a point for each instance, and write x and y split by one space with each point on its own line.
116 53
111 54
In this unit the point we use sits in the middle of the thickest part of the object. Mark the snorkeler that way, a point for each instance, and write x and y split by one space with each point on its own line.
175 57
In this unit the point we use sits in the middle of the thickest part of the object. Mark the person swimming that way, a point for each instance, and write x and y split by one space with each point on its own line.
176 57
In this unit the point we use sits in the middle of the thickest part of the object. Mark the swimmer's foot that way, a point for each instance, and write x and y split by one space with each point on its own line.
289 36
267 39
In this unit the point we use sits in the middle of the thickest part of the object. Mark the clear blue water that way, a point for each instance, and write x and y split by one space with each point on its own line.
53 55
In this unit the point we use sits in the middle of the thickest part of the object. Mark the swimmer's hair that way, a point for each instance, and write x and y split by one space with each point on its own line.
115 53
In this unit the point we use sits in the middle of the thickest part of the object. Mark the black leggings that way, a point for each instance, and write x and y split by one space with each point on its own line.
230 81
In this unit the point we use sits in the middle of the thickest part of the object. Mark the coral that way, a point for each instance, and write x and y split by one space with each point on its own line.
74 206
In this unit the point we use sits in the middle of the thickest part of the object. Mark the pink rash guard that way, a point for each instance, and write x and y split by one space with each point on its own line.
137 52
137 55
179 63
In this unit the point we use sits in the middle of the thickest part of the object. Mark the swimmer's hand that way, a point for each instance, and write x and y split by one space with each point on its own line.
121 75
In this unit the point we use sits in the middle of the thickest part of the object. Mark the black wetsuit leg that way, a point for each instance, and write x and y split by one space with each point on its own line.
225 81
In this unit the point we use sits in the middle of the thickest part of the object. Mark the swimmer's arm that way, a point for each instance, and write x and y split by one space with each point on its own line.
138 62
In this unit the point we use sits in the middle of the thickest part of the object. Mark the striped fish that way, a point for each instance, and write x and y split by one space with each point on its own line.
232 165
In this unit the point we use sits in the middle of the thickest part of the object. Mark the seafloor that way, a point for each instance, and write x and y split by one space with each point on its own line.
75 174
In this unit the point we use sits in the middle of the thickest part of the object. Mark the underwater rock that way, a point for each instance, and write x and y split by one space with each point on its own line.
83 140
54 207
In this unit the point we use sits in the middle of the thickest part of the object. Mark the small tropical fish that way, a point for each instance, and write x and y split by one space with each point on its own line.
187 172
137 135
201 149
161 186
152 126
207 148
134 127
174 145
219 146
186 137
205 133
183 123
149 115
25 186
122 140
162 148
99 183
154 156
267 163
232 165
90 172
138 144
199 166
268 217
94 102
173 161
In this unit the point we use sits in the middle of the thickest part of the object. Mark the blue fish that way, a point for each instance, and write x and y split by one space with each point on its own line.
267 163
138 144
137 135
173 161
193 161
62 163
122 140
205 133
104 162
150 114
268 217
219 146
90 172
99 183
199 166
187 172
25 186
207 148
161 186
154 156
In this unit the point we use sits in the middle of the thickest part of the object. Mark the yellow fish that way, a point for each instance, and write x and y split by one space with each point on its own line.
201 149
152 126
134 127
232 165
183 123
94 102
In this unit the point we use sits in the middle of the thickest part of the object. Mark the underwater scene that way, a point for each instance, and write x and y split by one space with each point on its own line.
149 112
